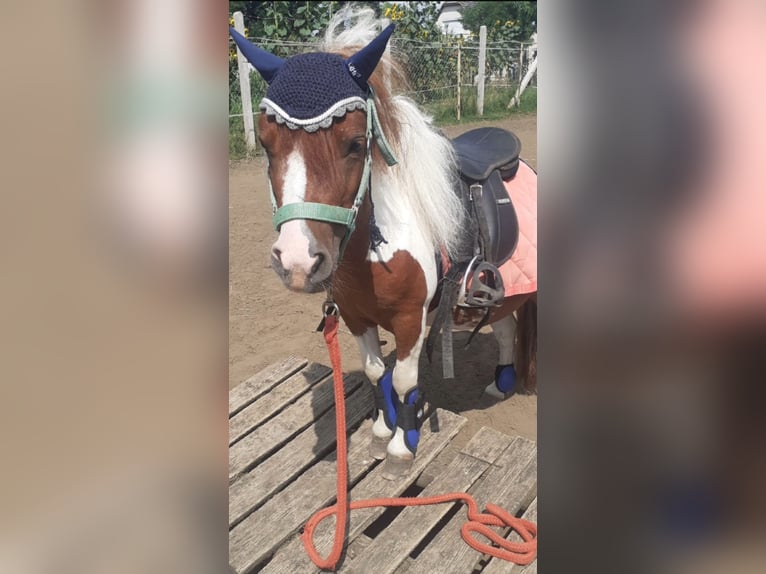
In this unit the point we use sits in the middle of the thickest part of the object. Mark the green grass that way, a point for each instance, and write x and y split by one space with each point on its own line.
496 101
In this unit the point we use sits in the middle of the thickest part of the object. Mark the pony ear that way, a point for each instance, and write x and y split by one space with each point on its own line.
362 64
266 63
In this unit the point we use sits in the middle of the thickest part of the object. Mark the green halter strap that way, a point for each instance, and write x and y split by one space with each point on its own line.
332 213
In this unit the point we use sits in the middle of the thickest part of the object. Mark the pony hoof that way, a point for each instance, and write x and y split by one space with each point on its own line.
494 392
396 467
378 447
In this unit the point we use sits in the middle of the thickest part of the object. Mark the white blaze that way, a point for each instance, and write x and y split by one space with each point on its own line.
294 236
294 190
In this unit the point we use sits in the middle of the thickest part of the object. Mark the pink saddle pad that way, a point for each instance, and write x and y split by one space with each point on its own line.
520 271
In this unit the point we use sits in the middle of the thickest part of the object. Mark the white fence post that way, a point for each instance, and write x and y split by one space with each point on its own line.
458 80
516 100
244 88
482 66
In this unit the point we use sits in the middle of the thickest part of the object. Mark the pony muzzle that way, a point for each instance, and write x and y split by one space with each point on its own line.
298 259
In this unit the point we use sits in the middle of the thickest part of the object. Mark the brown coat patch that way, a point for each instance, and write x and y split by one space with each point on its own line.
390 294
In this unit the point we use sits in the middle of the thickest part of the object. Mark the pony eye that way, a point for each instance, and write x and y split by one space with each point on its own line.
356 147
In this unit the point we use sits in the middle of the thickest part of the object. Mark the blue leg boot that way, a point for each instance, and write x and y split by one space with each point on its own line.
409 418
504 383
384 415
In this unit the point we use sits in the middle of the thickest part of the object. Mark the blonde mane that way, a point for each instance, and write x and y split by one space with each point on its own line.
425 175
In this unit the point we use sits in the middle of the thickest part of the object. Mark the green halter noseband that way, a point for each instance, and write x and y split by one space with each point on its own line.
332 213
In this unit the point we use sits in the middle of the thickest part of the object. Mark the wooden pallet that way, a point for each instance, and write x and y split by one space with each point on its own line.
282 470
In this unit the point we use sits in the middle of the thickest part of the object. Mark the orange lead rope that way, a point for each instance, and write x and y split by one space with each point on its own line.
478 522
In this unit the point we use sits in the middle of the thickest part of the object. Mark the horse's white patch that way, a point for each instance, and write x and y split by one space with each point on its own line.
372 356
505 333
294 236
293 246
294 189
400 228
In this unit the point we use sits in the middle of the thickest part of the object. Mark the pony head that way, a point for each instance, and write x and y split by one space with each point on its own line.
313 128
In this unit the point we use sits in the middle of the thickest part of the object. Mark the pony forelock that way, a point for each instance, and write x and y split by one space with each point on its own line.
351 27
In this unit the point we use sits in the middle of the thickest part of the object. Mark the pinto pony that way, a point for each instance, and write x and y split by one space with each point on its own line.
363 191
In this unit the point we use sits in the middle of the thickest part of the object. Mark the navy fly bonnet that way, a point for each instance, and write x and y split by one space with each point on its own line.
308 90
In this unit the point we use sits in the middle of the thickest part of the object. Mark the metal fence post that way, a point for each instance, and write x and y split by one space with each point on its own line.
244 88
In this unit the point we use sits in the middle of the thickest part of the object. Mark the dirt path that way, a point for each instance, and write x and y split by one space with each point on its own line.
267 322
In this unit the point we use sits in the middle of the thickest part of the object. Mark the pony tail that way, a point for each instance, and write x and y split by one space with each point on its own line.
525 358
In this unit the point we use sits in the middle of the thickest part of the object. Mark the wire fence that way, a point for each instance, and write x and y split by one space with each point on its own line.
442 77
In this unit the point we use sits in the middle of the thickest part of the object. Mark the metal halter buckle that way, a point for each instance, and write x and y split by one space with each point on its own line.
330 308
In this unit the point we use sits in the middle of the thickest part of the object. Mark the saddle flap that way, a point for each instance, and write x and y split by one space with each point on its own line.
502 224
483 150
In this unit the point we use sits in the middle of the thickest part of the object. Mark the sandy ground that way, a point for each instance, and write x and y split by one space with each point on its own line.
267 322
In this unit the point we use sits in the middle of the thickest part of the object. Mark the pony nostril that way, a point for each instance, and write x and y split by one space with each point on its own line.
318 263
276 253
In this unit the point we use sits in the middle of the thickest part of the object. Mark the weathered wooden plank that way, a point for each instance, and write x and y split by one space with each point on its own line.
510 483
283 394
487 445
358 546
399 539
260 383
252 489
258 535
501 566
248 451
292 558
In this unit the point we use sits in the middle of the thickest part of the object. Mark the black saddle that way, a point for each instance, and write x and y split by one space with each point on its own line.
486 158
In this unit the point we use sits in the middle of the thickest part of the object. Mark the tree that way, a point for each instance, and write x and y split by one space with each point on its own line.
414 20
289 21
504 20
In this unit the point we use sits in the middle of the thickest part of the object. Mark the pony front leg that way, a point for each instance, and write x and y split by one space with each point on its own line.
411 406
385 399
